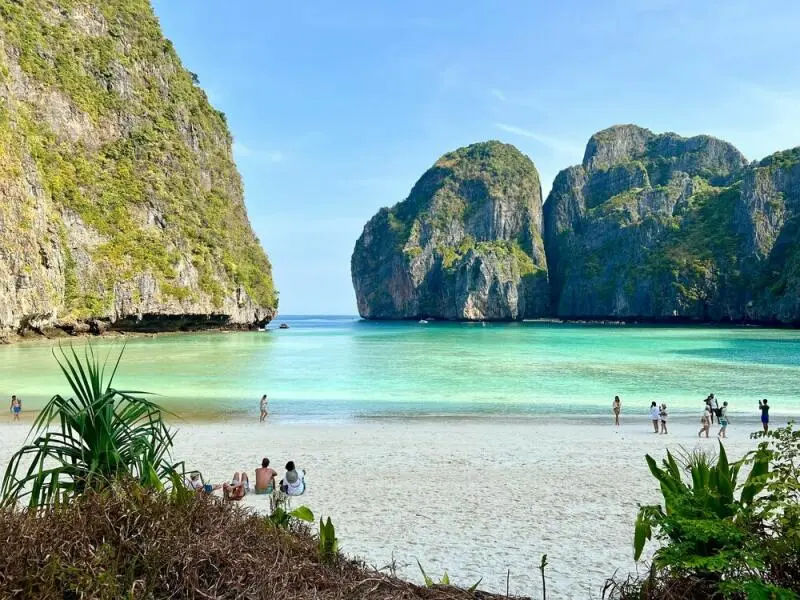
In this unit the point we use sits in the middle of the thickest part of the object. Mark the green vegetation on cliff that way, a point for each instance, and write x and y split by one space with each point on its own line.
465 244
97 102
657 226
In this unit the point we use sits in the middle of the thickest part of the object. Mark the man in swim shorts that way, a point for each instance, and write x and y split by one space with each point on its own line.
265 478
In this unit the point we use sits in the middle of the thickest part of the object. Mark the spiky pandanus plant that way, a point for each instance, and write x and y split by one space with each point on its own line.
91 439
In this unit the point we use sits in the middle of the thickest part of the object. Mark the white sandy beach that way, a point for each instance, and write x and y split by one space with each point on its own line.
473 496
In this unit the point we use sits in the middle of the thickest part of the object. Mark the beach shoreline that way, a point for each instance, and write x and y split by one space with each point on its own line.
474 497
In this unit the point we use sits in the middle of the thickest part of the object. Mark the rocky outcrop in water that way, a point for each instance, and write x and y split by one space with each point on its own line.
120 204
465 245
663 227
653 227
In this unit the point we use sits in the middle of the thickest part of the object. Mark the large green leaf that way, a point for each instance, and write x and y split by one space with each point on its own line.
757 479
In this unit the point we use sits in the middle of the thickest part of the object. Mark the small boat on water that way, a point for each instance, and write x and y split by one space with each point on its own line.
423 321
283 326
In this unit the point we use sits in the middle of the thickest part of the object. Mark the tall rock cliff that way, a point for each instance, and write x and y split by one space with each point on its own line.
120 204
465 245
663 227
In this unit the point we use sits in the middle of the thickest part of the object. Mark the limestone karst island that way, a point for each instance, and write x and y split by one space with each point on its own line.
506 362
653 227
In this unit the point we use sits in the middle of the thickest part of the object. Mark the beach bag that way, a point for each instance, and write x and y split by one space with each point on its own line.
718 412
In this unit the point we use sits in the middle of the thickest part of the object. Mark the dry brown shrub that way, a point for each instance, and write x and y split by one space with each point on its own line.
137 544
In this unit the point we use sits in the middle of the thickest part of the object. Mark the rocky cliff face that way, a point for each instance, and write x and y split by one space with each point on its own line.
663 227
120 205
465 245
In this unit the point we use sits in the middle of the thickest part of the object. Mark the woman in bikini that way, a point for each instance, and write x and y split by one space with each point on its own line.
616 407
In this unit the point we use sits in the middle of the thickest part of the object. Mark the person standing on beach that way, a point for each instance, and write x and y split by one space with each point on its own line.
263 408
16 407
662 414
764 408
709 407
723 420
617 408
654 416
705 422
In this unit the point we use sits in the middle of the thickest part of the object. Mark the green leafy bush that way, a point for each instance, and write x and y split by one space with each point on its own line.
721 538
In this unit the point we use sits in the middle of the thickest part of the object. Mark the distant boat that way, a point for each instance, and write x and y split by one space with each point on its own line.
283 326
423 321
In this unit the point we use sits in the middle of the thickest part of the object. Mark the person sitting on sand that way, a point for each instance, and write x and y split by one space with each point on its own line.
195 483
265 478
764 408
237 488
616 406
662 415
723 420
293 483
654 416
705 422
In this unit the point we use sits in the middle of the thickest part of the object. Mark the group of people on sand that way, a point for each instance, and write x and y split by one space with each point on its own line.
292 484
658 415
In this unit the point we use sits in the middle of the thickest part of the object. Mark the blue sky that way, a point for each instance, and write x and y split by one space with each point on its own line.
337 108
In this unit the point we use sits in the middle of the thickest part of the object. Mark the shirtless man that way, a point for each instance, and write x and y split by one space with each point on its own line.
265 478
263 408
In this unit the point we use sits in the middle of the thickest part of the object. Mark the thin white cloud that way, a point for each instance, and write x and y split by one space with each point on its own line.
245 152
498 94
554 143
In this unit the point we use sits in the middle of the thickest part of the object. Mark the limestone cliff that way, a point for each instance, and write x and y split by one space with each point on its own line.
663 227
465 245
120 205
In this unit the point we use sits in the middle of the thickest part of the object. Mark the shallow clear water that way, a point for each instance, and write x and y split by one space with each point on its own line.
335 368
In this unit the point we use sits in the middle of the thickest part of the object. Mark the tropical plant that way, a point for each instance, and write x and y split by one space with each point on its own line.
702 521
328 544
91 439
280 516
445 580
778 508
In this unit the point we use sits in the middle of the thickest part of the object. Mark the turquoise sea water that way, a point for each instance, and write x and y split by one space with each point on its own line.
324 368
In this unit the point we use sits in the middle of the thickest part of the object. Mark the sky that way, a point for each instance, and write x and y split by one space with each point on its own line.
338 107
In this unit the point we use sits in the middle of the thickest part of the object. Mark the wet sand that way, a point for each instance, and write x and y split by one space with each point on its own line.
474 496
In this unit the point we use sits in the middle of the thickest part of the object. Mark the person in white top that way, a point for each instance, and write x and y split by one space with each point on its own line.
663 416
654 416
293 483
263 406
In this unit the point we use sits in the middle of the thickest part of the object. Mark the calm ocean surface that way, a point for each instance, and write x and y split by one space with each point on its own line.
337 368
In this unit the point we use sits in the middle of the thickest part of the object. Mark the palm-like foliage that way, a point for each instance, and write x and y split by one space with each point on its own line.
91 439
704 524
